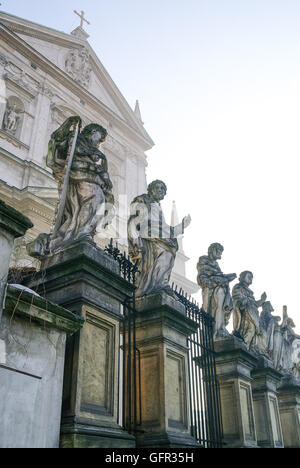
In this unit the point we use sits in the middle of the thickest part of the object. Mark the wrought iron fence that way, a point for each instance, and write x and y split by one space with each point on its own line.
205 413
130 401
205 408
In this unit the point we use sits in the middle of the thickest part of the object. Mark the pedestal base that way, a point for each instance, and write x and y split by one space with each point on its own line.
289 408
234 366
85 436
264 390
162 329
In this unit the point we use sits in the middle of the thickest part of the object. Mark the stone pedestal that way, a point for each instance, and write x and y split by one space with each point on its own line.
86 280
234 367
289 408
266 412
161 336
12 225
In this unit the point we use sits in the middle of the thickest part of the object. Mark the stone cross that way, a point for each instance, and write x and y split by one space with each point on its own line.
82 18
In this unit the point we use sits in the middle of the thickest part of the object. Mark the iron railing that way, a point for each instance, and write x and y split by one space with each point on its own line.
205 412
130 374
205 407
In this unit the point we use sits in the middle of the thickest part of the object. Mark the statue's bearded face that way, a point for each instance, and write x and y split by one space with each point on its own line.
96 138
248 278
217 253
158 192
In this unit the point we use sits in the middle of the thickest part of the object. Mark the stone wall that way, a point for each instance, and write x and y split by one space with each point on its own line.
32 351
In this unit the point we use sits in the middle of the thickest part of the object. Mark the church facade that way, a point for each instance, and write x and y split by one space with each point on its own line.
47 76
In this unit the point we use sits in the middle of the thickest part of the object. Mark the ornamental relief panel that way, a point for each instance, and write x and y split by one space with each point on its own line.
77 65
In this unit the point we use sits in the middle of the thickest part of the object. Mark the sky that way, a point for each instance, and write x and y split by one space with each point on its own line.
218 83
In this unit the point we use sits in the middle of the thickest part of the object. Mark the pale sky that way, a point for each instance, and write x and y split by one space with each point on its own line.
219 88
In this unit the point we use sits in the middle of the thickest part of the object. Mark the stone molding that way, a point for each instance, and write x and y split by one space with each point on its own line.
13 221
40 310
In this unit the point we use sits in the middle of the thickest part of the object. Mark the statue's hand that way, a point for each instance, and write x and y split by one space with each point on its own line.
231 277
187 221
264 297
75 120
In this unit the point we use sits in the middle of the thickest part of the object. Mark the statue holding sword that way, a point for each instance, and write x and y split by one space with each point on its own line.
84 185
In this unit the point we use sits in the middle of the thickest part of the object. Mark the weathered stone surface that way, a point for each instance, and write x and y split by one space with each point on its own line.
84 186
87 280
264 390
40 310
161 333
289 408
82 274
12 225
217 300
246 314
32 351
90 413
152 242
234 367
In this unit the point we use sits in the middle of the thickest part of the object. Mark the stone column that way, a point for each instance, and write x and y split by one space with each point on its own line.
162 329
264 390
12 225
234 367
289 408
85 280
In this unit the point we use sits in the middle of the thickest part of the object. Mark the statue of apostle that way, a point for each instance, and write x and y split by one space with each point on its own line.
268 325
216 295
246 321
152 242
283 345
88 197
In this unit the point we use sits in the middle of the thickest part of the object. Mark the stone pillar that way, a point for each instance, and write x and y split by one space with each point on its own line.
289 408
3 93
234 367
86 280
12 225
162 329
264 390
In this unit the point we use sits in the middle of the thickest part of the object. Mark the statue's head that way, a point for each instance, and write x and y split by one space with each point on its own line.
267 307
157 189
215 251
95 133
246 277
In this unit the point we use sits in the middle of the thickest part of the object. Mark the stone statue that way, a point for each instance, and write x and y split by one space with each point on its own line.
153 243
215 289
267 325
11 120
283 345
88 197
246 322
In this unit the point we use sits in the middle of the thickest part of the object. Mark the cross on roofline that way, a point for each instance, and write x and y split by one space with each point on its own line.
82 18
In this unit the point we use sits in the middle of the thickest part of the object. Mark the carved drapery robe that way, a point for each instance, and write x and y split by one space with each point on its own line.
90 188
246 315
216 295
153 243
